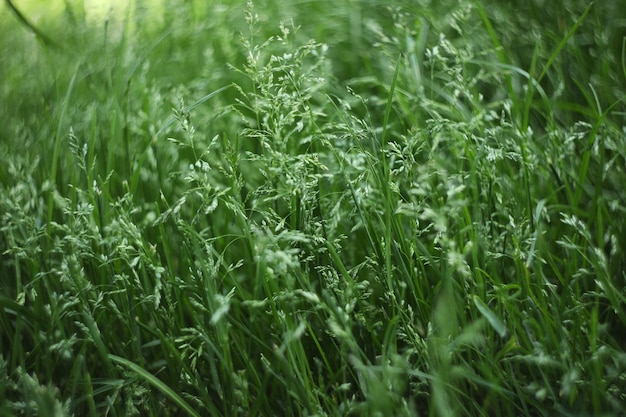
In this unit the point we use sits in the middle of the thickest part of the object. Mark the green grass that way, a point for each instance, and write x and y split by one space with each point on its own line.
313 208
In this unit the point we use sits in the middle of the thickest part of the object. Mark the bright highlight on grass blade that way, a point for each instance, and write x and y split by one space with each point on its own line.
156 383
491 317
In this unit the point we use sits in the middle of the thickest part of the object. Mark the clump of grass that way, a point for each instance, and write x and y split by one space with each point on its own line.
413 217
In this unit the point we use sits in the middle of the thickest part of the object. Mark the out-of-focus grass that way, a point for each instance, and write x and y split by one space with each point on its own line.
311 208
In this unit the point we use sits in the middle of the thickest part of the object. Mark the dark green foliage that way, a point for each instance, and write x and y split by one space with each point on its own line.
313 208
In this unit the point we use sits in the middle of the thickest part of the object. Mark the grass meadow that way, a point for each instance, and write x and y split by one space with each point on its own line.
313 208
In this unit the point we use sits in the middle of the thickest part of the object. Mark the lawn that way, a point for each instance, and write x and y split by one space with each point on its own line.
313 208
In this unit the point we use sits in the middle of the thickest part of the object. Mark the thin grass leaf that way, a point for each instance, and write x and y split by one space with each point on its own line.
156 383
189 108
389 104
57 146
491 317
497 44
569 34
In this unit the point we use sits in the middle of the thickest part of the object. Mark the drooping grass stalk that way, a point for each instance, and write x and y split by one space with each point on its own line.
156 383
24 20
440 245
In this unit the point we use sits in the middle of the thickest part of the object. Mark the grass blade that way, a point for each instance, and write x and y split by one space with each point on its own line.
156 383
189 108
563 42
491 317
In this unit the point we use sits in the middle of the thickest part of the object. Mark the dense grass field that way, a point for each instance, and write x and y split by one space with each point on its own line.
313 208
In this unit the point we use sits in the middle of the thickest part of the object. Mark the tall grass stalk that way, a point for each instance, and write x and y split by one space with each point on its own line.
311 209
